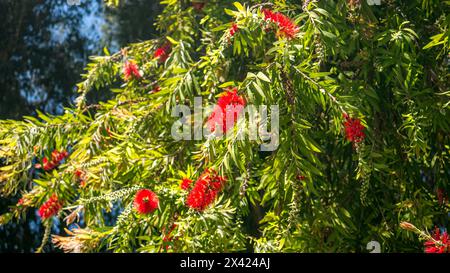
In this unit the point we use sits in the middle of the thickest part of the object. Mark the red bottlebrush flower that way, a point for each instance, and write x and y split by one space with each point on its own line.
198 5
146 201
50 208
130 71
163 52
286 26
234 28
219 115
300 177
354 130
441 246
159 52
205 190
186 183
78 173
268 14
48 165
56 156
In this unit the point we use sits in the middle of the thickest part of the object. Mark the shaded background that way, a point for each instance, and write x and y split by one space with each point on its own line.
44 46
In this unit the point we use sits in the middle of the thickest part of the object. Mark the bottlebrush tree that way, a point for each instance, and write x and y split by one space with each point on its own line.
364 134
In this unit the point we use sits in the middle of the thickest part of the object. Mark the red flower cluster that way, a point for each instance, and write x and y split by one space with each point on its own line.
301 177
163 52
186 183
219 114
443 245
130 71
354 130
234 28
49 165
286 27
146 201
205 190
50 208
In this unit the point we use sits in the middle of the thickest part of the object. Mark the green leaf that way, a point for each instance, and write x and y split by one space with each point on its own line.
226 84
263 77
239 6
173 41
230 12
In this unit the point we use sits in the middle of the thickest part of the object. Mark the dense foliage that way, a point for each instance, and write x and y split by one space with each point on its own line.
364 137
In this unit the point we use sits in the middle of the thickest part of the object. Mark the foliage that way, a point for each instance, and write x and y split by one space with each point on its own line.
386 66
